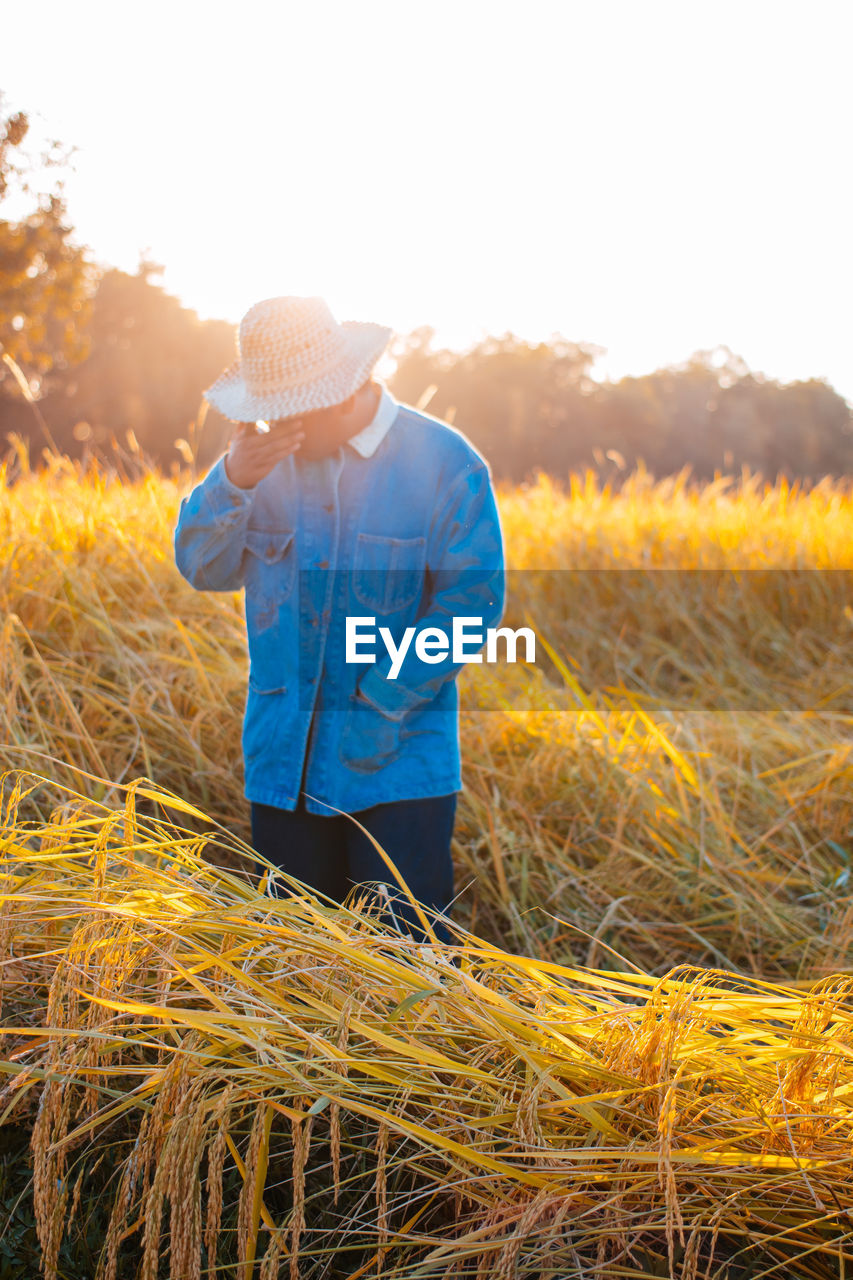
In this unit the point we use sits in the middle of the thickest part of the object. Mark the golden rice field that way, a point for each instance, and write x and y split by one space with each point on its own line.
641 1061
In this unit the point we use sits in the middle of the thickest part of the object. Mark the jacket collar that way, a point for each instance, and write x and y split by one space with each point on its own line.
368 440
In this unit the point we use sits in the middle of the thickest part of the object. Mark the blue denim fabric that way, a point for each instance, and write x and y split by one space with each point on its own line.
409 536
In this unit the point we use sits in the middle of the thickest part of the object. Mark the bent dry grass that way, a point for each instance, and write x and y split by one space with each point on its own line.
506 1116
641 1064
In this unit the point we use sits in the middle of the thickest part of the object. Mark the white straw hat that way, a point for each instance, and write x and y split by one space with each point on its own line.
295 357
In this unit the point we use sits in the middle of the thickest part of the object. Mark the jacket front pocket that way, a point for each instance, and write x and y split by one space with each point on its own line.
369 740
270 573
264 711
388 573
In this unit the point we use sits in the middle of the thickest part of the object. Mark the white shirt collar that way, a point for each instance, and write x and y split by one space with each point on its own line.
367 441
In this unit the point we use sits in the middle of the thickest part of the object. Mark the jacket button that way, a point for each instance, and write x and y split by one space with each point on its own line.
329 506
324 564
270 551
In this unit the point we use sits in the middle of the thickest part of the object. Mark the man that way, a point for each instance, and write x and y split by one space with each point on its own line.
336 502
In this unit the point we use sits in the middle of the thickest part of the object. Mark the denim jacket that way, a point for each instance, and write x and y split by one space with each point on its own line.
409 536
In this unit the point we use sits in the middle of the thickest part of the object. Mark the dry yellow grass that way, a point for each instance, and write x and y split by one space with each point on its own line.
680 790
673 786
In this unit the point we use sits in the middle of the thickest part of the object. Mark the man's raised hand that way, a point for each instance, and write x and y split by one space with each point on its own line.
252 453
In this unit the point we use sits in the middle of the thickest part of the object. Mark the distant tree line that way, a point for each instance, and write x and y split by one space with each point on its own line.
526 406
535 407
108 362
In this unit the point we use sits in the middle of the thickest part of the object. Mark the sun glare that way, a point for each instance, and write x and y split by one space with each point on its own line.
579 171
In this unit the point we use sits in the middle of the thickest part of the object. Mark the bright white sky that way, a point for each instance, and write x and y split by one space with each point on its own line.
653 176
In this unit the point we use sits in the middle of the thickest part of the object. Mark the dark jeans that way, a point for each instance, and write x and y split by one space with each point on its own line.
331 854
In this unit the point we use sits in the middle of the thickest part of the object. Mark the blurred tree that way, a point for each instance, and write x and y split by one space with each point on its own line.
527 406
150 360
46 280
799 429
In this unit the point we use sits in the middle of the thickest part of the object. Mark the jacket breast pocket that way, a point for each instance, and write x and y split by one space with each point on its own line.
388 573
270 573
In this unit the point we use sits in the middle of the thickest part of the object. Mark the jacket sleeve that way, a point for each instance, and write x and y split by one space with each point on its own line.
210 534
465 574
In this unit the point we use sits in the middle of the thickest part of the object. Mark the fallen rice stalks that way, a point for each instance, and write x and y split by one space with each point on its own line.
288 1088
